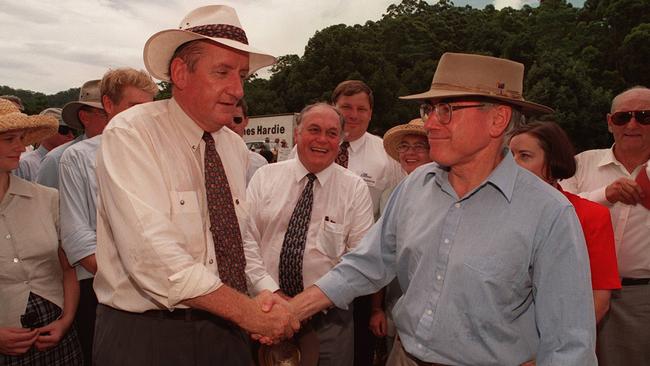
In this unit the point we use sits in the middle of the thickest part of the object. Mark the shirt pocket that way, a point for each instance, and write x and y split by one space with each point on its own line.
330 239
186 215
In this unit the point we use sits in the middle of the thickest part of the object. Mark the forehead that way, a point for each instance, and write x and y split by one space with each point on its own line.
323 117
633 100
360 98
13 133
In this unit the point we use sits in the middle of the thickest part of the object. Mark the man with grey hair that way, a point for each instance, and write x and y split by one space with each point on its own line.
491 259
611 177
30 162
172 268
322 212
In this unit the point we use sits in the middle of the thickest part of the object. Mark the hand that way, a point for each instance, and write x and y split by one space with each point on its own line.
51 334
16 341
625 191
378 323
276 321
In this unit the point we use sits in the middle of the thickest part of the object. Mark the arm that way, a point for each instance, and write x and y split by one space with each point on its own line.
51 334
378 321
48 173
601 303
562 293
78 229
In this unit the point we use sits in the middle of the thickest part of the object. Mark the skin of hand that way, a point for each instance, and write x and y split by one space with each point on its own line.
16 341
378 323
625 191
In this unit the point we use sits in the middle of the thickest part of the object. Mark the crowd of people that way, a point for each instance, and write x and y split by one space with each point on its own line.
140 232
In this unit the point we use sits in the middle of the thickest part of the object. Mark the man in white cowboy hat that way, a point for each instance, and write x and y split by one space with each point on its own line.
172 270
322 211
613 177
491 259
30 162
120 89
88 114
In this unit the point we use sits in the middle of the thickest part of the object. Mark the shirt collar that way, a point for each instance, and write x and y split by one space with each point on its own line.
41 151
322 177
608 158
358 143
189 129
503 177
19 187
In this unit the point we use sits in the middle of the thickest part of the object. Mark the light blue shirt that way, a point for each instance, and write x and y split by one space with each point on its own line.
78 196
30 163
498 277
48 174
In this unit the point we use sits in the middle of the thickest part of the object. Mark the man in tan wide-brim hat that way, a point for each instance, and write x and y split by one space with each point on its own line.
491 259
172 269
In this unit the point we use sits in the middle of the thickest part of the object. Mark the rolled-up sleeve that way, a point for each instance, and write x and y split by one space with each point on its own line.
152 248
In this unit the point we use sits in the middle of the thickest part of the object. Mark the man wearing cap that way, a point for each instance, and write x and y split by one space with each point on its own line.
238 124
611 177
87 114
322 211
30 162
120 89
492 260
172 270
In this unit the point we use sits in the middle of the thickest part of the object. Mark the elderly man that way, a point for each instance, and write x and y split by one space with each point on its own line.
171 267
87 114
30 162
120 89
491 259
238 124
322 211
607 176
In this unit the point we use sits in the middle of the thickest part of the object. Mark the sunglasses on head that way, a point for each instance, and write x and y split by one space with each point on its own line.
641 117
64 130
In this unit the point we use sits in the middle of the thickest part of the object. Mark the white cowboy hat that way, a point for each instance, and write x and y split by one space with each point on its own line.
89 95
36 128
217 23
467 75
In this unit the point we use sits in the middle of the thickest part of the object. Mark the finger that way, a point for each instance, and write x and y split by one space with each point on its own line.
629 195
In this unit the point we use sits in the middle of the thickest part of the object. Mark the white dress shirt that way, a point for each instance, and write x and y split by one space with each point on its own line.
78 196
596 170
341 215
154 245
255 161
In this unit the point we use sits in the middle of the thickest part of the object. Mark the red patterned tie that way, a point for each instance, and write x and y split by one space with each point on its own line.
342 157
224 226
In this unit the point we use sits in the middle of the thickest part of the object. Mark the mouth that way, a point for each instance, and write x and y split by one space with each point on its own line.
411 161
319 150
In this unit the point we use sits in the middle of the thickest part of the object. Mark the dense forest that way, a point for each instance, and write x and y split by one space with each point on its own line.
576 59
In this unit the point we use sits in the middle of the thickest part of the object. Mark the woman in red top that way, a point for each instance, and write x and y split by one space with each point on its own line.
545 149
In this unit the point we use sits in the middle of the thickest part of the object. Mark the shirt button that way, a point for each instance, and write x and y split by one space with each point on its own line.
16 260
182 202
429 312
457 205
193 147
446 241
439 277
236 201
8 236
211 261
419 345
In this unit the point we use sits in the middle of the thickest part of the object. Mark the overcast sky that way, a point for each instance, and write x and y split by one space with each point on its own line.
53 45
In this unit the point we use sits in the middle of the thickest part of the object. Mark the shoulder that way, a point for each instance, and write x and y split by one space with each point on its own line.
27 188
586 208
55 154
140 116
591 156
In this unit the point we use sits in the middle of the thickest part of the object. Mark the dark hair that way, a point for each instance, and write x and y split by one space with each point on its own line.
244 107
558 150
189 52
352 87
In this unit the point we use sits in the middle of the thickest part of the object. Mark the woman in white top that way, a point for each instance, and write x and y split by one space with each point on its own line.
38 287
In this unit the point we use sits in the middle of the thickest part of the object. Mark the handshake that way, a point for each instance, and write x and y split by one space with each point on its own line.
276 320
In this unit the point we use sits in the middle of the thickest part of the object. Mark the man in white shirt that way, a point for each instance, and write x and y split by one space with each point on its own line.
607 176
120 89
171 266
238 124
364 154
339 216
30 162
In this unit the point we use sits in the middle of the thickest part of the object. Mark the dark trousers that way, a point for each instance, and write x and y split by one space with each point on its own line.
363 337
85 318
131 339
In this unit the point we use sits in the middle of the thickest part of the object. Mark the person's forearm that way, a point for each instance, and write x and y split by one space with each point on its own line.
89 263
70 289
601 303
310 302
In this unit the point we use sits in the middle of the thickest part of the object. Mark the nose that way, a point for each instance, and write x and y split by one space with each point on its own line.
431 122
236 88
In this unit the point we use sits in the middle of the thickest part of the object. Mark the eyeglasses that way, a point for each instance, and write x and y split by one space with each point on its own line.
641 117
443 111
418 148
64 130
238 119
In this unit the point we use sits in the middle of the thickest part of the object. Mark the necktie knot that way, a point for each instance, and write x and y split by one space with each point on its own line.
311 177
207 137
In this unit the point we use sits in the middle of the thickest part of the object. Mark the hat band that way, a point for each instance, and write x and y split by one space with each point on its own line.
480 90
221 31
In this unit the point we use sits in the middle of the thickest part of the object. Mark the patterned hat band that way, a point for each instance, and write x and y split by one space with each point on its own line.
221 31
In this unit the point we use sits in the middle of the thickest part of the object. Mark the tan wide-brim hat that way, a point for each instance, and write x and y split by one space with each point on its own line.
36 128
467 75
393 136
89 95
217 23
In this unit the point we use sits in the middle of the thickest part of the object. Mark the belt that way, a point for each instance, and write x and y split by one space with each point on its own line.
181 314
634 281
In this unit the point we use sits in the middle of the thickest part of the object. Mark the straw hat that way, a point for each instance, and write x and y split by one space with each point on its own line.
217 23
393 136
36 128
89 95
461 74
